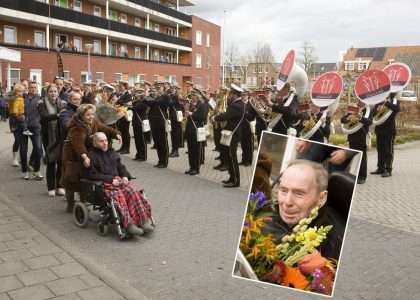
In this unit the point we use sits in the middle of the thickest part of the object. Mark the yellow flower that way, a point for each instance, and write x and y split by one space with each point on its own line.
311 234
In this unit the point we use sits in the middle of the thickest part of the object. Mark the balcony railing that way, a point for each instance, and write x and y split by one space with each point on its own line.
69 15
164 10
151 60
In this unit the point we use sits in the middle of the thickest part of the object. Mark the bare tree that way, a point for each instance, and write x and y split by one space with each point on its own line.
263 58
307 56
235 64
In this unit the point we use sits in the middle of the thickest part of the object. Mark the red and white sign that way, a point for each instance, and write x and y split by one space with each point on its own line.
286 69
327 89
372 87
400 76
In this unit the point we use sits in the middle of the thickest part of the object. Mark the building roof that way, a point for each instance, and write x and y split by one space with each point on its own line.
324 67
412 60
173 2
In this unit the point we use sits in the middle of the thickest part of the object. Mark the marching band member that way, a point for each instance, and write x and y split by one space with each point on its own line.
176 111
234 116
140 110
385 136
357 140
247 138
123 124
218 127
197 116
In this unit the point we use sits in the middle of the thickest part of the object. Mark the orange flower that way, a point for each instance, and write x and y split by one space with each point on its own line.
310 262
294 278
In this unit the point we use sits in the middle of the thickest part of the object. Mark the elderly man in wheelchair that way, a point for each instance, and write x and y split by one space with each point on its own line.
107 178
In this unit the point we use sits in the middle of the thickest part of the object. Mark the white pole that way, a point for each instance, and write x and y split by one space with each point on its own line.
148 22
107 9
223 48
9 81
177 56
107 46
48 36
148 52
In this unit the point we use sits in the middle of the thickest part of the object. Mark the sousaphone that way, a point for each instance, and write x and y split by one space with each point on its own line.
373 87
325 94
290 72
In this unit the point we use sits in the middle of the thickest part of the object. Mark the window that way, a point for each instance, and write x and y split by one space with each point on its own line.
113 15
171 57
14 76
61 40
39 39
99 76
156 27
97 47
156 55
198 61
83 76
123 50
349 66
97 11
113 49
208 40
123 18
171 31
77 43
137 52
198 37
137 22
62 3
77 5
363 66
67 75
140 78
10 35
118 76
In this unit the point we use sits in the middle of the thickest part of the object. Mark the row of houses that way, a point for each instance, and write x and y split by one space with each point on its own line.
354 62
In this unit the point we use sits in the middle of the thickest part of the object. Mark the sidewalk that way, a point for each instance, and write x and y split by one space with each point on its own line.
34 267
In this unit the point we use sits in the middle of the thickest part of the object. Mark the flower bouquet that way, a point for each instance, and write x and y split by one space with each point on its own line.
295 262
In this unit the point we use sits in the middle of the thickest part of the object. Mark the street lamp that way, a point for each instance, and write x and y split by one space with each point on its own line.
89 48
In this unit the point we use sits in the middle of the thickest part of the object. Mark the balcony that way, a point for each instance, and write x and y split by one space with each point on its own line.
69 15
151 60
164 10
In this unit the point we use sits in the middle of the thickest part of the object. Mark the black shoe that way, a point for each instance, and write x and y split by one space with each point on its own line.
153 147
123 151
188 171
156 166
217 158
377 172
227 181
161 166
174 154
139 158
218 167
386 174
223 169
361 181
194 172
245 164
231 185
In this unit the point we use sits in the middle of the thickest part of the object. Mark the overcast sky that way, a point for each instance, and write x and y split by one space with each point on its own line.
331 25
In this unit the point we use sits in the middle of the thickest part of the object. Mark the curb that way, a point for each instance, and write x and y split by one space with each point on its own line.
121 287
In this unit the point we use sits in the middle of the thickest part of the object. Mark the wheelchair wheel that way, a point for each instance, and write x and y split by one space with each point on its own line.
102 228
80 214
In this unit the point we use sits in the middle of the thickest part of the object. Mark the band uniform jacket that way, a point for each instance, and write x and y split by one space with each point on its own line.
158 110
140 110
234 115
289 115
360 135
199 116
125 99
388 127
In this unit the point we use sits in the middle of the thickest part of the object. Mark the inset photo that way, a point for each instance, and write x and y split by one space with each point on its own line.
297 213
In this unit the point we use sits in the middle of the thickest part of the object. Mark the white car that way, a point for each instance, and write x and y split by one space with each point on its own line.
408 96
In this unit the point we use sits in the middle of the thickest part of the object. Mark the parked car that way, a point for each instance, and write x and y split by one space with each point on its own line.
408 96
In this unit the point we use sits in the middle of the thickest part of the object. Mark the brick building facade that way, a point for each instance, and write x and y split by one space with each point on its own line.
132 40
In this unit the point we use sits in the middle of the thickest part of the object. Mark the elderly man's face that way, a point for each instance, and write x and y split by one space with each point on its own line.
101 142
298 194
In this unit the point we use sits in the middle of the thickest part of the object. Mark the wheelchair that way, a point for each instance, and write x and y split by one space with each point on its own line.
97 201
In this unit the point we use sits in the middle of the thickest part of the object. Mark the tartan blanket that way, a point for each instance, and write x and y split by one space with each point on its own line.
130 203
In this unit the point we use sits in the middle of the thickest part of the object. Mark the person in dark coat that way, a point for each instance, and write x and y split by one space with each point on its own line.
106 166
49 109
76 147
385 137
75 99
176 108
197 117
123 124
303 187
234 116
247 138
357 141
140 115
158 117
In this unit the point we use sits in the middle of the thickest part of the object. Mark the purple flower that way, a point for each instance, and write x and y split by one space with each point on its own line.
246 224
316 284
258 199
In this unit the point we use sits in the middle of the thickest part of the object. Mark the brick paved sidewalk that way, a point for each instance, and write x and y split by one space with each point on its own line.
33 267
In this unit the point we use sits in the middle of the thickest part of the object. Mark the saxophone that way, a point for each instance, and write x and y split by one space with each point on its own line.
221 107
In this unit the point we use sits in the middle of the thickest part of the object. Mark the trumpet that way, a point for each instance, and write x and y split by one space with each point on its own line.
381 115
353 123
260 106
